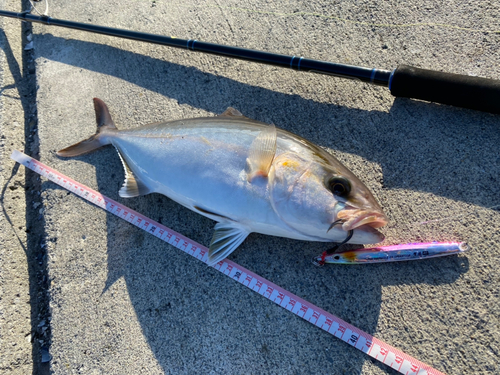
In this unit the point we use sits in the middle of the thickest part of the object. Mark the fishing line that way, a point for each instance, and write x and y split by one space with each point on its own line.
412 224
46 13
339 19
444 219
405 81
477 210
441 229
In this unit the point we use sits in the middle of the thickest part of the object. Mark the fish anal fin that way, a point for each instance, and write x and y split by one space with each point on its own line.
231 112
132 187
262 152
227 237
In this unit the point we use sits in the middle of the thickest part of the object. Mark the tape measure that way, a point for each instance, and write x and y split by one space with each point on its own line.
353 336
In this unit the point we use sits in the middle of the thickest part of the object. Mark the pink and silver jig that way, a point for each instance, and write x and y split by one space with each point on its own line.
394 253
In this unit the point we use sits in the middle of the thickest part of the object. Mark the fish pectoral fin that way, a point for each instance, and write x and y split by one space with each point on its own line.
227 237
132 187
262 151
231 112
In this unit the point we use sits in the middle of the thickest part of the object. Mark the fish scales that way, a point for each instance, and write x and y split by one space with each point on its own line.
246 175
199 163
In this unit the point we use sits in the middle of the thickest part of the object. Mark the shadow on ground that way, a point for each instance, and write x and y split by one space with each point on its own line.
25 84
225 328
420 146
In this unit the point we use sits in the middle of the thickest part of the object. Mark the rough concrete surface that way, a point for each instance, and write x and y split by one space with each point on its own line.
23 302
123 302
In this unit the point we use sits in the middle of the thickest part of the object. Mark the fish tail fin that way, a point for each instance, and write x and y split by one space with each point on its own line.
105 126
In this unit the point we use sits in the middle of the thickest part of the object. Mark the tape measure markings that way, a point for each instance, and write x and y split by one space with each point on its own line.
337 327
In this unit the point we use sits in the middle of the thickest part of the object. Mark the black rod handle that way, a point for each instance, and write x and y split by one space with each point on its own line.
478 93
458 90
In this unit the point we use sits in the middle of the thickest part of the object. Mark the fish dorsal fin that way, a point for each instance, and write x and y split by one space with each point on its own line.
231 112
132 187
262 151
227 237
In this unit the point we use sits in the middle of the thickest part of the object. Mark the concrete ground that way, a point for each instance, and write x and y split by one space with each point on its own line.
87 293
24 308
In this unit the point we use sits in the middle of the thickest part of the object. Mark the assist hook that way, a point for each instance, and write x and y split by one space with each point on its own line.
321 262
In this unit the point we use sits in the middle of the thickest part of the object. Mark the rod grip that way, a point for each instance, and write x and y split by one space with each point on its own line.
478 93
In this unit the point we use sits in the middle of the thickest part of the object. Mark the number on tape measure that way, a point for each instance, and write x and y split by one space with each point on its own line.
353 336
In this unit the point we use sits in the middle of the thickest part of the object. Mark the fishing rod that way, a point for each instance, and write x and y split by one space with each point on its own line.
477 93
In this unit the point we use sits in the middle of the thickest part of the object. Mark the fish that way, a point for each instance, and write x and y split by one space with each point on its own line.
248 176
393 253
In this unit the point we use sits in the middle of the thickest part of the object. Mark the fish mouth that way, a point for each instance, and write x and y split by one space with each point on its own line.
355 218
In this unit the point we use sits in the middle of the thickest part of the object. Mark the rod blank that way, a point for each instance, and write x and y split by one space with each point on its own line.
458 90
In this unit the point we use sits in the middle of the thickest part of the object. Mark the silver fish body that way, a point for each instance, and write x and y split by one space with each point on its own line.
244 174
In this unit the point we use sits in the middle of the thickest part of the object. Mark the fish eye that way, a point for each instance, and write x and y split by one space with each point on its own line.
336 257
339 186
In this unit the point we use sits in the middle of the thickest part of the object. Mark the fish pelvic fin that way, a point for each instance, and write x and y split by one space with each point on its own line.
132 186
262 152
105 125
227 237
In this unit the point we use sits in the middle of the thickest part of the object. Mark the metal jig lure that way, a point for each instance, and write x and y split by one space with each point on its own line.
393 253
